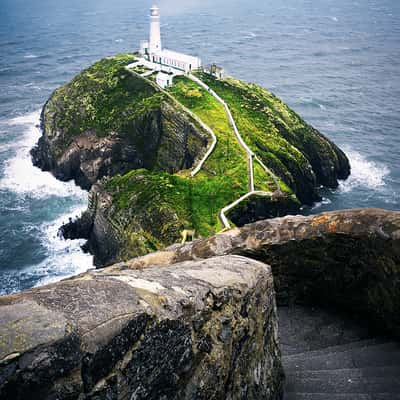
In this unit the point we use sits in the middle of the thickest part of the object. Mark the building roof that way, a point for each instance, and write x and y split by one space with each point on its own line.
179 56
163 74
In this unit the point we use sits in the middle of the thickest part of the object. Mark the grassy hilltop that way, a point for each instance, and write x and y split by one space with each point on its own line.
152 142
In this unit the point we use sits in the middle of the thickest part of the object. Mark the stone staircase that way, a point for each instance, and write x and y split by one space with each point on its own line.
327 356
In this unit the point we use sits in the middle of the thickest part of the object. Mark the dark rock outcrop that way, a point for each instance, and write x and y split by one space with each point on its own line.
194 330
118 133
164 139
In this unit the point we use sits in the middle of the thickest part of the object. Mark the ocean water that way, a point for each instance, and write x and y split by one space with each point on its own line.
336 62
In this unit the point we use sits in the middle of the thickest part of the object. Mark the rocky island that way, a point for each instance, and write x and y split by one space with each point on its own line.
135 146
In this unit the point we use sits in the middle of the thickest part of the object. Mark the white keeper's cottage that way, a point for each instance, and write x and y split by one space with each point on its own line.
168 62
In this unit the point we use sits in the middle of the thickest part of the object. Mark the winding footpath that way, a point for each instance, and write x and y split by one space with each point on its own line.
250 157
250 154
242 143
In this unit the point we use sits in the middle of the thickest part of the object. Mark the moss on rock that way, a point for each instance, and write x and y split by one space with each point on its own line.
294 150
108 121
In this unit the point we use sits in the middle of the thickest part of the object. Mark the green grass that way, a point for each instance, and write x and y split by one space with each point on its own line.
228 155
270 128
228 158
103 98
197 201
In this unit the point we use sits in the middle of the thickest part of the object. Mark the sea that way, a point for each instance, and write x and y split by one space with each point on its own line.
335 62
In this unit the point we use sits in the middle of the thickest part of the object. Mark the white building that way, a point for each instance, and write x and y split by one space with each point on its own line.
165 60
164 79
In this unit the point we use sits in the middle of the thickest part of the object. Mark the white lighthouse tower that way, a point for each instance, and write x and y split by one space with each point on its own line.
166 62
155 34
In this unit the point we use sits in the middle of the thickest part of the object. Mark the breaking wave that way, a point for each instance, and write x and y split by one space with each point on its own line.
21 177
364 173
58 200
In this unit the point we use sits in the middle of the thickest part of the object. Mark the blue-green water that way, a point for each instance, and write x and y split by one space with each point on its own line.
336 62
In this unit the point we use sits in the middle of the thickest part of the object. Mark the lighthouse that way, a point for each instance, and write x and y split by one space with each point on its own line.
168 63
155 34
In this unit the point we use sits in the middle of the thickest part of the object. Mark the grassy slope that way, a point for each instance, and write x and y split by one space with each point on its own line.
196 201
104 97
261 117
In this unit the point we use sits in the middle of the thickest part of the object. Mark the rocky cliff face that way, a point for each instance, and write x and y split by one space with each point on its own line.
116 233
194 330
108 121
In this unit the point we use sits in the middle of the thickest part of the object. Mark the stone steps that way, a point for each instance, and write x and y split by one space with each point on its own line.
328 357
376 356
339 348
342 383
392 371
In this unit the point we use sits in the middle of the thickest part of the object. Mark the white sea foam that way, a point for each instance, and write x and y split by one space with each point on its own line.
312 102
21 177
364 173
31 85
30 56
26 119
318 204
248 34
66 255
251 35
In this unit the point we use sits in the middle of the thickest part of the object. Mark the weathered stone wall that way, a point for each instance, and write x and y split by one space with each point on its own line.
194 330
348 259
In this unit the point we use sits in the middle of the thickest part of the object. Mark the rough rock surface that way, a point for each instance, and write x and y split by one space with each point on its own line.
349 259
119 236
107 121
194 330
164 138
112 238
